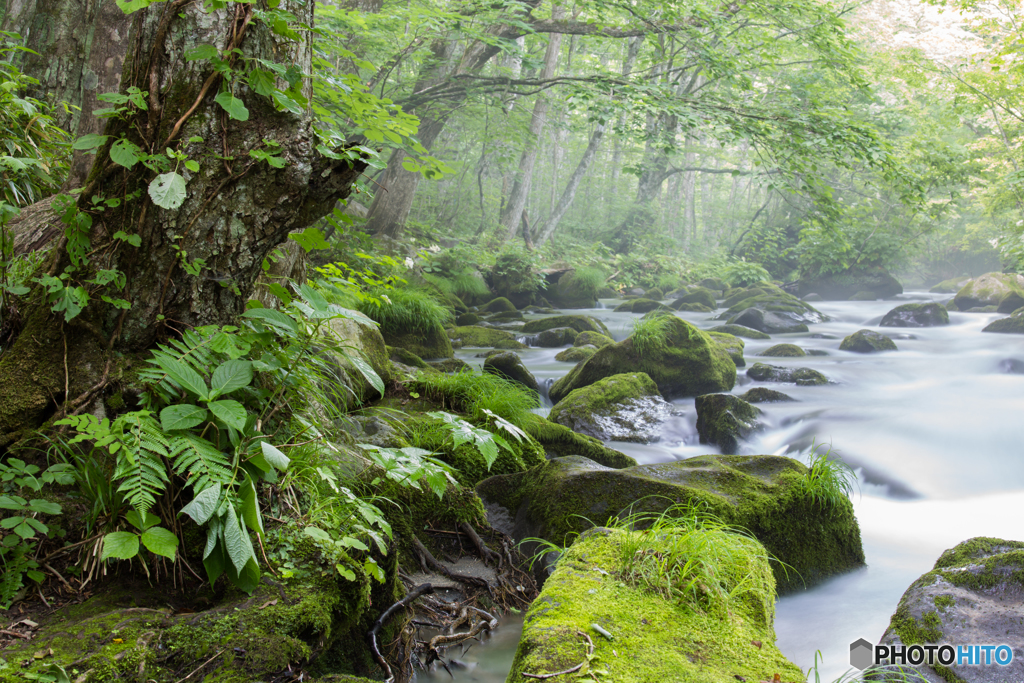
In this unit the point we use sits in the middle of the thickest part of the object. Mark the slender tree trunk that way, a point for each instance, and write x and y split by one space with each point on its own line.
569 193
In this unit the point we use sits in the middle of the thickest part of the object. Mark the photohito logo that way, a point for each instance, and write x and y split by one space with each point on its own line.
863 654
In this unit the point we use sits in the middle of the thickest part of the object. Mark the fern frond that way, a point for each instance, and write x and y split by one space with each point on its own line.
200 462
192 349
141 463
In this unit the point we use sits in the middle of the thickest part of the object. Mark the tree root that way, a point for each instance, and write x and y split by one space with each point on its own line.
419 591
486 553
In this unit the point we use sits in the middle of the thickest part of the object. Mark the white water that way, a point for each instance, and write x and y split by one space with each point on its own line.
932 430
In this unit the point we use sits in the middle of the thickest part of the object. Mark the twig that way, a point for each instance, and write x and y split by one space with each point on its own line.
485 552
181 680
57 574
5 632
420 590
567 671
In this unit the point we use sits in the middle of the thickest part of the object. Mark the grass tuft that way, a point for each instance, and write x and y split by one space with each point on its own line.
829 481
472 393
650 335
400 311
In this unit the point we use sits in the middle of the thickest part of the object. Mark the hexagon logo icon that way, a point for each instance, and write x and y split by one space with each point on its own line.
861 654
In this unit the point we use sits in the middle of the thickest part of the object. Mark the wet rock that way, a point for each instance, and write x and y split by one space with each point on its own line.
863 296
499 305
823 335
765 395
841 286
640 306
449 365
697 295
560 441
576 354
1012 325
580 323
429 345
732 345
692 308
813 296
950 286
485 336
634 291
571 291
1012 366
867 341
556 336
804 377
593 339
607 293
623 407
971 596
406 357
714 283
654 294
784 351
468 319
689 363
724 419
505 317
767 322
1005 291
740 331
916 315
817 352
510 366
770 299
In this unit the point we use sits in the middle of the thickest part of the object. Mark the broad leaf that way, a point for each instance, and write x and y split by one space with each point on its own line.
44 506
205 51
203 505
90 142
318 533
274 456
182 416
168 190
184 376
250 507
367 371
231 413
236 540
274 318
262 82
125 153
121 545
160 541
234 374
233 106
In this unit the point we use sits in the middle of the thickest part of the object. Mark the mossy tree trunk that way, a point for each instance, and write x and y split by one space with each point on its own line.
237 208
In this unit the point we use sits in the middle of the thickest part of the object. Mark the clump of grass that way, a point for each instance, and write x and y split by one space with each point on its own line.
473 393
586 280
400 311
829 481
650 335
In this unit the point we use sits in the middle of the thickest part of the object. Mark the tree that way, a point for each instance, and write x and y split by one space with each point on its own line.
208 161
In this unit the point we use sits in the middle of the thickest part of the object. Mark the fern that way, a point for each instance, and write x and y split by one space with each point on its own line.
200 462
141 465
193 349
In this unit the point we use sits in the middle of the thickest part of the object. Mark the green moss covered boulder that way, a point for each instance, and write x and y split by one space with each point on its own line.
427 344
509 365
499 305
691 308
640 306
687 363
467 319
365 341
950 286
623 407
971 596
580 323
576 354
765 395
783 351
916 315
723 420
1005 291
697 295
407 358
731 344
716 284
740 331
767 297
1012 325
559 441
655 638
475 336
867 341
555 337
805 377
764 494
574 290
593 338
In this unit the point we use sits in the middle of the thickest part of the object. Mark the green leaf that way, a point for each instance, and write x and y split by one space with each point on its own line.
274 456
311 239
248 579
90 142
231 413
184 376
203 505
236 540
345 572
192 165
234 374
318 533
250 507
121 545
125 153
262 82
233 106
160 541
274 318
141 523
230 345
182 416
204 51
44 506
168 190
215 563
134 5
367 371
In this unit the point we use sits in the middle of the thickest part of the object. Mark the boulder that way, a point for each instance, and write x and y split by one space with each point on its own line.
450 365
765 395
505 316
634 291
593 339
468 319
813 296
769 298
509 365
867 341
767 322
576 354
972 596
784 351
698 295
572 292
607 293
805 377
732 345
740 331
580 323
875 281
1012 325
363 340
916 315
654 294
724 419
692 308
427 345
689 363
652 637
475 336
407 358
512 276
623 407
1005 291
559 441
640 306
499 305
556 336
764 494
715 283
950 286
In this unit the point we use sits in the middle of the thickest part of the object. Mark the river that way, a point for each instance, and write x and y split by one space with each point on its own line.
932 431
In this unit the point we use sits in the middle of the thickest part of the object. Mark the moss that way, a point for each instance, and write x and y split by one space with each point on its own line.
432 344
469 464
698 295
867 341
804 377
784 351
764 395
944 602
1012 325
654 639
723 419
740 331
732 345
485 337
406 357
580 323
450 365
1003 290
641 306
692 308
598 397
576 354
559 440
499 305
916 315
467 319
593 338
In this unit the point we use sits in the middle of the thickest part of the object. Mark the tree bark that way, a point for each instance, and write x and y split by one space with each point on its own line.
569 193
236 210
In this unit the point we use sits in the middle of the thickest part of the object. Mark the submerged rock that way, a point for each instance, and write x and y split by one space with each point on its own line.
724 419
640 306
510 366
765 395
1005 291
972 596
576 354
784 351
867 341
740 331
559 441
623 407
916 315
762 372
1012 325
580 323
556 336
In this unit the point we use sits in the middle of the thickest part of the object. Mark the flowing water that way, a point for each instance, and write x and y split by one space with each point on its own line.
932 431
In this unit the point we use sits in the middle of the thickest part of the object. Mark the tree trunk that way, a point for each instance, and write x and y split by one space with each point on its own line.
234 213
569 193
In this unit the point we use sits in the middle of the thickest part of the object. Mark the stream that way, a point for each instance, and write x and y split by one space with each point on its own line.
931 430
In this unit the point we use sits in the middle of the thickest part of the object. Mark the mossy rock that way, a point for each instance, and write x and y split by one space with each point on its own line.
654 294
1012 325
367 342
691 308
499 305
607 293
655 639
863 296
714 283
406 357
697 295
624 407
576 354
559 441
427 345
510 366
767 321
593 338
505 317
731 344
466 460
841 286
580 323
805 377
812 297
971 595
950 286
724 419
556 336
690 363
765 395
475 336
450 365
1005 291
764 494
916 315
641 306
571 292
467 319
740 331
784 351
867 341
768 298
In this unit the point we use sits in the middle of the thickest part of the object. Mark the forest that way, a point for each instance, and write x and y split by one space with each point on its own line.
510 340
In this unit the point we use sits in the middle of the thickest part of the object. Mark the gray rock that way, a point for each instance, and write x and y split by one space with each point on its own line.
1012 325
555 337
765 395
1005 291
724 419
916 315
625 407
762 372
769 322
867 341
510 366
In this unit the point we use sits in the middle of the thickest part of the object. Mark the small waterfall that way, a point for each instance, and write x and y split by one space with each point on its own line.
600 306
528 339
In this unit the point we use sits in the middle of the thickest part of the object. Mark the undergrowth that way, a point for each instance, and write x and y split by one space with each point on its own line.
475 393
400 311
